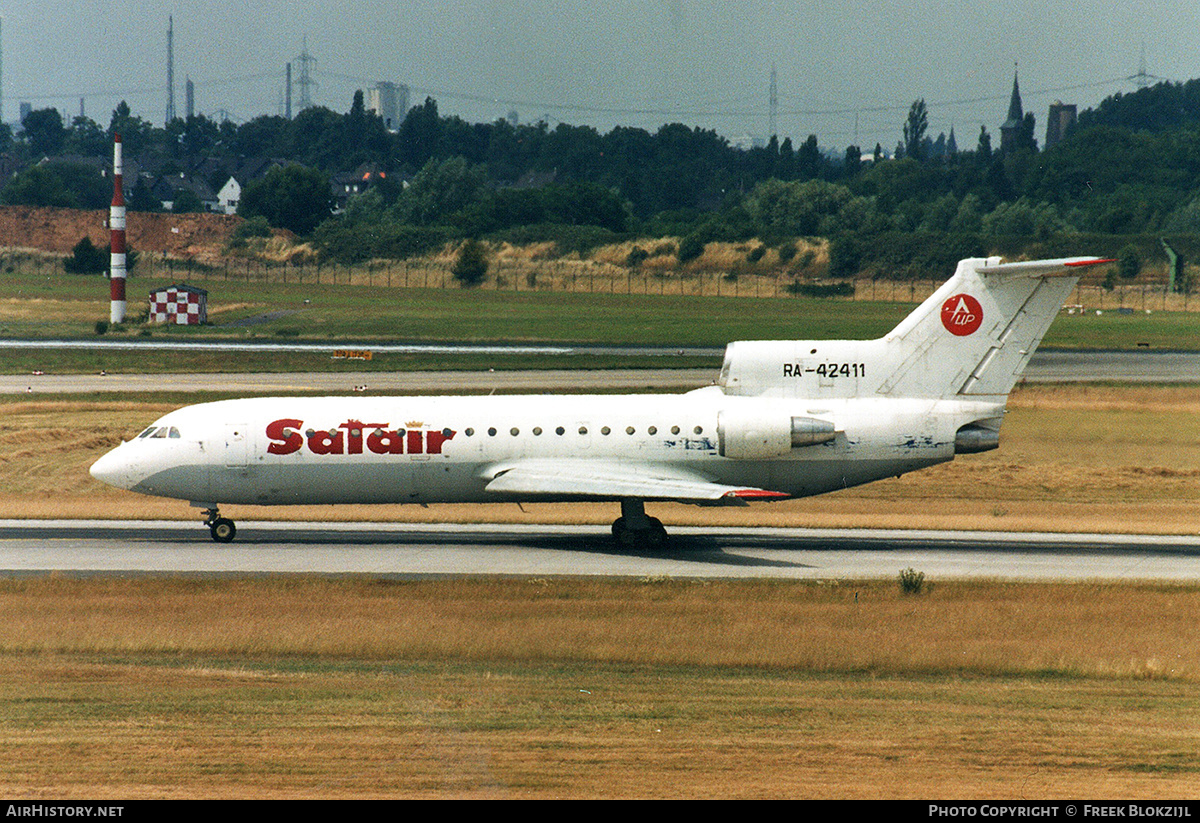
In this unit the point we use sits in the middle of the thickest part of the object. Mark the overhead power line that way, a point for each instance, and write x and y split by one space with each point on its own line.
719 111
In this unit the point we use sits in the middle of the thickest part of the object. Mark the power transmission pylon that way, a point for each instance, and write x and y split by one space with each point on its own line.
1143 78
305 81
774 103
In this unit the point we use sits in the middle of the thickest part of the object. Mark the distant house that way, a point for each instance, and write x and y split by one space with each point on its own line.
179 304
100 164
254 168
229 196
345 185
228 178
183 192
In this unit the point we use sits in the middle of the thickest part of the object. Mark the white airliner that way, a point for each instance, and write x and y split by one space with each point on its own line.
784 419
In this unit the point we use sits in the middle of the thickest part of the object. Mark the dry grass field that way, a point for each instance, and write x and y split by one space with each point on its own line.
314 687
303 687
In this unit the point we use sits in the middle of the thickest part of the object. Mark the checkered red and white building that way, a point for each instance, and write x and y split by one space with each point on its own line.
179 304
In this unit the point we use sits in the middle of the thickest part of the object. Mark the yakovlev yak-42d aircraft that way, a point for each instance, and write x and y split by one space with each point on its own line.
785 419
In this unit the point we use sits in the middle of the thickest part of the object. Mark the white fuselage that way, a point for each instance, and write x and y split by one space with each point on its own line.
285 450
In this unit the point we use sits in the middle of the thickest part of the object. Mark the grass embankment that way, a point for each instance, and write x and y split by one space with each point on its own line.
1072 458
310 687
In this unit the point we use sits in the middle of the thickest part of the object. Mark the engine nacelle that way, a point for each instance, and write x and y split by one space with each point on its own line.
975 438
763 435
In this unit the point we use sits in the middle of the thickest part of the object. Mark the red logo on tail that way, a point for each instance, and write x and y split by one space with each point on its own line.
962 315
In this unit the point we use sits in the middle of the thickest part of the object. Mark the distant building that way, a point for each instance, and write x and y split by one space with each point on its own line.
179 304
390 102
345 185
1010 129
176 190
1061 118
229 196
746 142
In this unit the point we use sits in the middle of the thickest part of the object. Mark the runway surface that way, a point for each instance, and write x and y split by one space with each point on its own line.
403 550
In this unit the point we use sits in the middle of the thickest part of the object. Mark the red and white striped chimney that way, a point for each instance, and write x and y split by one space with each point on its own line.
116 225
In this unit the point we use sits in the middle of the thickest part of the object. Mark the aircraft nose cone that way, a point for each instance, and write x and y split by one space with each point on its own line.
113 469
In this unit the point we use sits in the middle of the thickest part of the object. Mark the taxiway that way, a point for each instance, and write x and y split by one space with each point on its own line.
1046 367
406 550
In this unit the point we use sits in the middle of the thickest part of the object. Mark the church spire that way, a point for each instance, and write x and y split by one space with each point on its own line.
1015 111
1011 127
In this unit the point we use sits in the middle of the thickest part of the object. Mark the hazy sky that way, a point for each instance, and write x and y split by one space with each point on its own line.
846 71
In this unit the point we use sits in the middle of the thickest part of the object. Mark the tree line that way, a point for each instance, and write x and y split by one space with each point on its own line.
1127 169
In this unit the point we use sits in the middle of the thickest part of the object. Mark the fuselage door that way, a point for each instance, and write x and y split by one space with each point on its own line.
237 445
583 434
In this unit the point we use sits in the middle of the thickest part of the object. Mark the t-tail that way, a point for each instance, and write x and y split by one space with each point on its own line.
970 340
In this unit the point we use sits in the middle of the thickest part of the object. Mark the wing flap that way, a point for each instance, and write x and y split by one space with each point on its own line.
573 479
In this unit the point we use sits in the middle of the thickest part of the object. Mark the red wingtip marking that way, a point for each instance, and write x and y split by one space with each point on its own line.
756 494
1089 262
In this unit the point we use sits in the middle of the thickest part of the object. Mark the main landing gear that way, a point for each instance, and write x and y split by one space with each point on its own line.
634 529
222 528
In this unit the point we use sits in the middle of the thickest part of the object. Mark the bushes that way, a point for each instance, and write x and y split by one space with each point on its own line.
842 289
637 255
353 243
290 197
845 257
566 239
690 248
901 255
912 582
472 264
87 259
253 227
1129 262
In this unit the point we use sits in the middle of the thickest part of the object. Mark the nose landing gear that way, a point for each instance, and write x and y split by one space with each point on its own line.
222 529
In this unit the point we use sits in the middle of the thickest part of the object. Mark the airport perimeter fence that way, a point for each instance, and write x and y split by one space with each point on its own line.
1148 293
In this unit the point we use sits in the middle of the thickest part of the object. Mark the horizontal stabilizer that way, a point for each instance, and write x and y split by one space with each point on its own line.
1062 267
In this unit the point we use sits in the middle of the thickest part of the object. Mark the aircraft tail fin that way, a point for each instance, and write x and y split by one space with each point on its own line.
972 339
974 336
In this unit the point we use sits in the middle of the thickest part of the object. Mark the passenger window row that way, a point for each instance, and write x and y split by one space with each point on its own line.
560 430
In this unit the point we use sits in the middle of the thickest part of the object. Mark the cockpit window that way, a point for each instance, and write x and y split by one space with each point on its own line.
723 379
158 432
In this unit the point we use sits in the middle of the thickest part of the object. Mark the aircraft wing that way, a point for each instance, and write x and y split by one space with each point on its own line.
608 480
